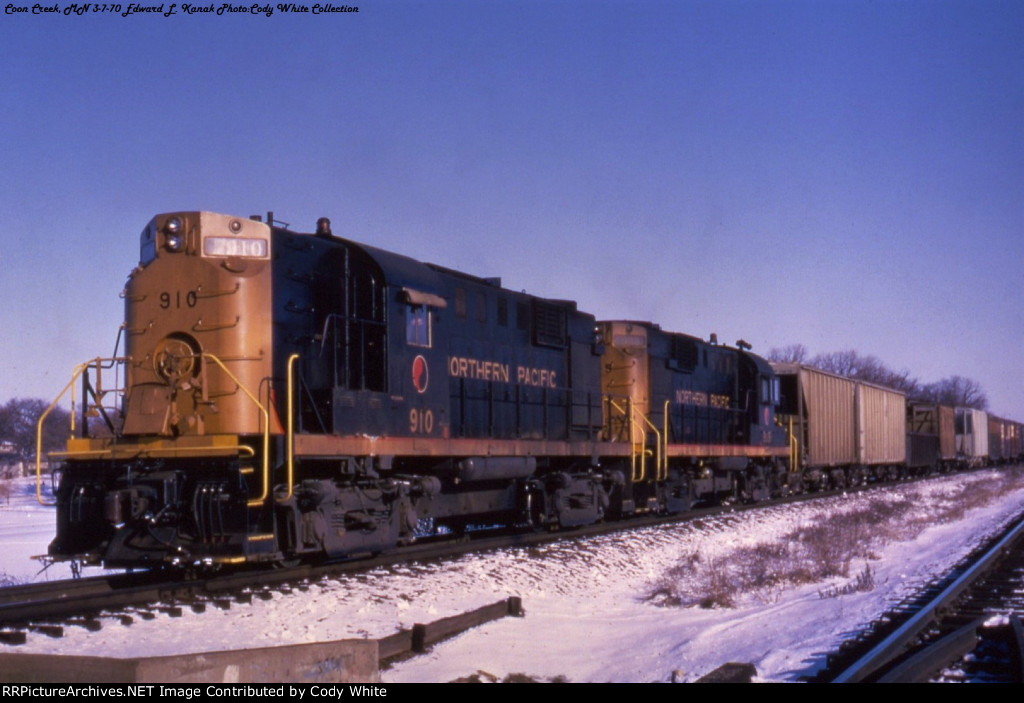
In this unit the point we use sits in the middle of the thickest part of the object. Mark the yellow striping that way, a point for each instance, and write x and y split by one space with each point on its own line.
183 447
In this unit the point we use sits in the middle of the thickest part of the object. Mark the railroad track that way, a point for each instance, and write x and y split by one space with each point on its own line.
86 602
48 607
916 643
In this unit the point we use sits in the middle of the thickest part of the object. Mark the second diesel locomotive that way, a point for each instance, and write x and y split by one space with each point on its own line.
285 395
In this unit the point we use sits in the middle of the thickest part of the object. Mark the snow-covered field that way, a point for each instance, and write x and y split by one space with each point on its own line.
26 528
589 614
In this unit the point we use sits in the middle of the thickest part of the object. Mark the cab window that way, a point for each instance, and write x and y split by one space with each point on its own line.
417 326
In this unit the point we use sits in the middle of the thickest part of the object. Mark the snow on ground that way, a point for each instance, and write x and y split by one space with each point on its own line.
26 529
588 614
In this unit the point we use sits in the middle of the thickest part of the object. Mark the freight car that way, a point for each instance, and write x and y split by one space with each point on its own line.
302 396
1004 440
931 437
972 436
844 431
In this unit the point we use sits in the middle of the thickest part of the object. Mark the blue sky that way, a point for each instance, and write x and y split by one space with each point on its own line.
841 174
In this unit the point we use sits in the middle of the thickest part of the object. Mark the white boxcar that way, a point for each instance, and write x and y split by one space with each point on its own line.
972 435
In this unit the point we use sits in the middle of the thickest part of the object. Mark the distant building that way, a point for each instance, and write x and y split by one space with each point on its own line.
10 461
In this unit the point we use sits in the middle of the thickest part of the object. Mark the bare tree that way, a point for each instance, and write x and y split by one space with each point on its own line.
18 420
851 364
901 381
789 354
957 391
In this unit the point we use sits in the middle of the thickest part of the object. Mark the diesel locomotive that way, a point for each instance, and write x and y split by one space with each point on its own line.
284 396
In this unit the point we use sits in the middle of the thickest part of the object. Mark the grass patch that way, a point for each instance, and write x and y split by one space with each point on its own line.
825 546
481 676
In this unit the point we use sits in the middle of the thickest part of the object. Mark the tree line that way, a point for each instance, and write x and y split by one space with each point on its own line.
18 420
954 390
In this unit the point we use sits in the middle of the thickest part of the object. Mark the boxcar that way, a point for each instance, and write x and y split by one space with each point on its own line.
842 427
972 436
931 436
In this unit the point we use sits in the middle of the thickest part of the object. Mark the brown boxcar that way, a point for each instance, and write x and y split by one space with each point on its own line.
841 424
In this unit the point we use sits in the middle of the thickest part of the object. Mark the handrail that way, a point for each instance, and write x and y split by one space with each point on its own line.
634 476
794 448
665 433
266 428
135 451
632 444
660 457
98 361
79 369
290 439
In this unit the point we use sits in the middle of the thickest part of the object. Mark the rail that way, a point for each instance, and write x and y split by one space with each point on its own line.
897 642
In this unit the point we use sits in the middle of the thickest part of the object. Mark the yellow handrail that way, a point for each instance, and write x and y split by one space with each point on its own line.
266 428
290 440
660 457
794 448
132 451
642 444
665 433
79 369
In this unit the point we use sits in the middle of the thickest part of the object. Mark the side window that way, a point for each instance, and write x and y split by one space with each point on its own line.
417 326
685 353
